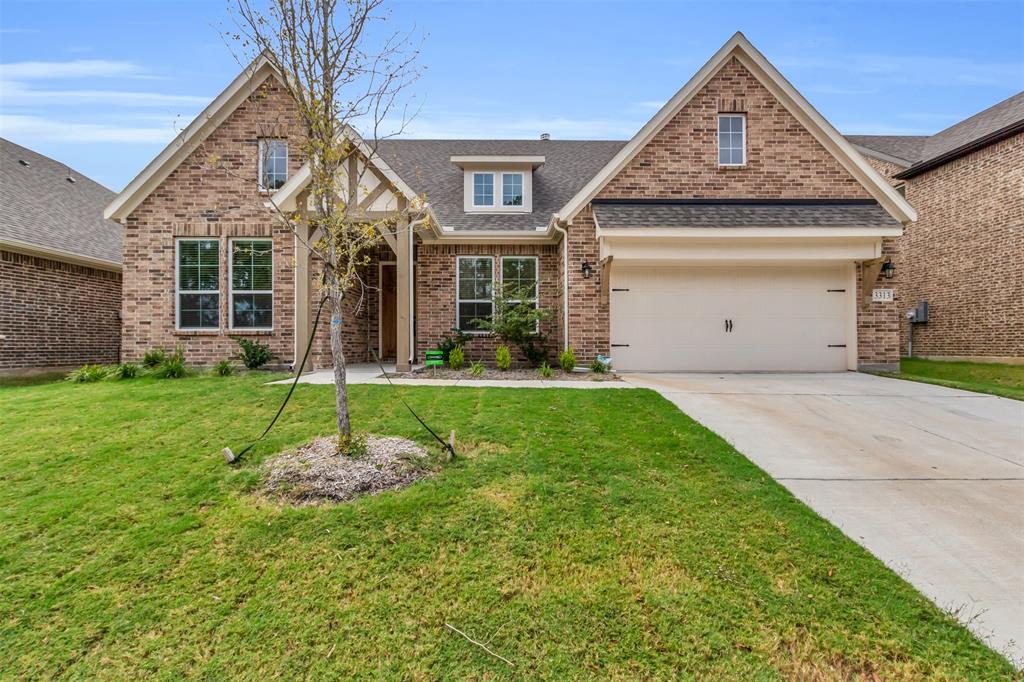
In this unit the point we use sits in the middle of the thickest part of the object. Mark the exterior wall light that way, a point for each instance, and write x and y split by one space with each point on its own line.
888 269
585 270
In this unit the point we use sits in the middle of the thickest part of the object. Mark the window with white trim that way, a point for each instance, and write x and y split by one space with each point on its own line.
252 284
732 132
474 291
520 274
511 189
483 189
273 162
198 283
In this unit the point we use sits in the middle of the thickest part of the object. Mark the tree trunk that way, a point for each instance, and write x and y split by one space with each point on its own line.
338 354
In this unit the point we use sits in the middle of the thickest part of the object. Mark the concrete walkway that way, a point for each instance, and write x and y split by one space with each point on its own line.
929 479
370 374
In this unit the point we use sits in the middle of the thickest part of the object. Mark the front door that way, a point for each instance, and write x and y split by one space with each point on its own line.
388 312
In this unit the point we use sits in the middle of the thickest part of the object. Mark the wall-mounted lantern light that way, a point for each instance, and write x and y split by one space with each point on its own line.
888 269
585 270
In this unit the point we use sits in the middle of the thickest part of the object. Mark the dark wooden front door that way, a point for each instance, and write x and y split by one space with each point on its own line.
388 312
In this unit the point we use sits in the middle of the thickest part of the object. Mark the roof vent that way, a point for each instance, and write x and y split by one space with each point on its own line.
545 136
23 162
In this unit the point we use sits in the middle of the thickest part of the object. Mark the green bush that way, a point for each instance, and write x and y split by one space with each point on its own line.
545 370
503 358
172 368
153 357
449 342
224 368
567 360
252 353
126 370
456 358
476 369
87 374
598 367
516 320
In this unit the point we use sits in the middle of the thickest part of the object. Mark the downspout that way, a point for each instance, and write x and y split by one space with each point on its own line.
565 281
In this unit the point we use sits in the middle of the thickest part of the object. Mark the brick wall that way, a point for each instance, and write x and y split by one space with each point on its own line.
55 314
435 293
783 161
213 193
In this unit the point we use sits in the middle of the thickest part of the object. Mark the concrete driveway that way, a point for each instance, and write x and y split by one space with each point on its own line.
929 479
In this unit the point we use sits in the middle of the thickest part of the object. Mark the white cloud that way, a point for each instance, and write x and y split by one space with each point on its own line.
34 129
919 70
13 93
77 68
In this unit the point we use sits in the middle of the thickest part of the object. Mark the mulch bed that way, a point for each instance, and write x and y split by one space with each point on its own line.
495 374
316 472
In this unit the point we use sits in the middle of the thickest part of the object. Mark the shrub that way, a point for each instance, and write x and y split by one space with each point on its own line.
172 368
224 368
456 358
515 321
252 353
87 374
153 357
567 360
503 358
598 367
545 370
126 370
449 342
476 369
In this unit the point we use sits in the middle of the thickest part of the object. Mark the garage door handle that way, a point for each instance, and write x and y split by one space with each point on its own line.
620 345
614 289
728 325
837 345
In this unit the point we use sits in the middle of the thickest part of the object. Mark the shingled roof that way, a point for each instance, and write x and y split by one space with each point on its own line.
921 152
41 207
741 213
426 166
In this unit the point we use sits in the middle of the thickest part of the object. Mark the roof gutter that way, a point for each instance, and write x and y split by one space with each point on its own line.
59 254
962 150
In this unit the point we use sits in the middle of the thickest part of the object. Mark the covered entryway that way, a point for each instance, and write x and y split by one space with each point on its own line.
731 318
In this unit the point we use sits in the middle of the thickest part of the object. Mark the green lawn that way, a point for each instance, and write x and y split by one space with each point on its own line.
582 534
982 377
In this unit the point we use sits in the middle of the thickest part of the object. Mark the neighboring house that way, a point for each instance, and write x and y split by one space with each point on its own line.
60 266
965 254
737 230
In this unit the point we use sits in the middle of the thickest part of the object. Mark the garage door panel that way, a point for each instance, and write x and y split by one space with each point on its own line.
783 318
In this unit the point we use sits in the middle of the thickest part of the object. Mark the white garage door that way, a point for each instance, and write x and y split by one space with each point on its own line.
736 318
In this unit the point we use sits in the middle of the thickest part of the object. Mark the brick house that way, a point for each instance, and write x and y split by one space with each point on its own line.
965 254
60 266
737 230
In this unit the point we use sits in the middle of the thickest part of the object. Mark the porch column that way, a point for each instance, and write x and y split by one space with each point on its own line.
403 265
303 321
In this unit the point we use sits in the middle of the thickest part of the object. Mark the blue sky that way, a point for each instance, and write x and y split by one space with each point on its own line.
103 86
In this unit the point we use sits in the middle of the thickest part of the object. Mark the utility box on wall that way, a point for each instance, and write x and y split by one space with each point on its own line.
918 315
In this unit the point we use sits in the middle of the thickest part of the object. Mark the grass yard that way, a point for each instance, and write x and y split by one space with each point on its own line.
998 379
582 534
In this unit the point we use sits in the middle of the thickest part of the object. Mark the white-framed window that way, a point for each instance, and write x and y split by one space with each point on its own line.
252 284
474 291
197 264
273 162
511 189
521 273
732 143
483 189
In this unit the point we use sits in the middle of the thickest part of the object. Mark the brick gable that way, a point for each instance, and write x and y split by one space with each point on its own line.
783 159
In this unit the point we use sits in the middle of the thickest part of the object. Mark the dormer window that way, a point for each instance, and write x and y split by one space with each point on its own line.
483 189
732 144
511 189
498 184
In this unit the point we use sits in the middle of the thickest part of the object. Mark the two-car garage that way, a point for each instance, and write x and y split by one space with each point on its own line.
731 318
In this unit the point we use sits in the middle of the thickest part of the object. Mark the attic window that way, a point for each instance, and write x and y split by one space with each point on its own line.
483 189
732 132
511 189
273 163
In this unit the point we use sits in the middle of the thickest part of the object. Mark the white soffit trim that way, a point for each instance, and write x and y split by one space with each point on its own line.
251 77
777 233
738 46
59 254
285 198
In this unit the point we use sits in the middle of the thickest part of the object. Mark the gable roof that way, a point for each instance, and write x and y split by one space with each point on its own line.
188 139
919 153
739 47
40 210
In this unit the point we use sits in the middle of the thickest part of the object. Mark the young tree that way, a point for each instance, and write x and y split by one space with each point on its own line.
343 75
